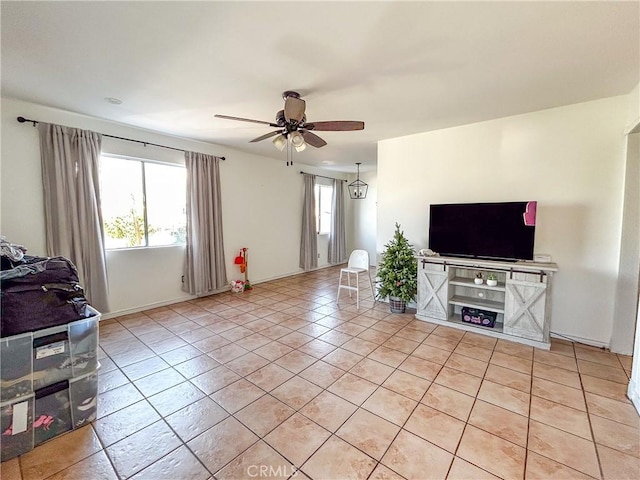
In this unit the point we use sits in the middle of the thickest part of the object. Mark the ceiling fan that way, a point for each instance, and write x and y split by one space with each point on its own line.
291 123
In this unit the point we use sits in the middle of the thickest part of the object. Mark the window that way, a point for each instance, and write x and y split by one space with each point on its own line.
143 203
324 194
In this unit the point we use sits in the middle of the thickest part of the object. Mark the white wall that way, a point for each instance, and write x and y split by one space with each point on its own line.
626 334
633 114
634 385
633 390
365 217
626 299
569 159
262 205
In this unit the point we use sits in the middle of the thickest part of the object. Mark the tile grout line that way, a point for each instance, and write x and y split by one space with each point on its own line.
526 441
431 382
261 438
412 412
230 415
586 406
104 448
162 418
571 433
466 422
395 369
127 436
351 415
346 420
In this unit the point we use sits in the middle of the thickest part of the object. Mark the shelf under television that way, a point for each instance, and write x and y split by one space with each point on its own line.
498 327
482 304
468 282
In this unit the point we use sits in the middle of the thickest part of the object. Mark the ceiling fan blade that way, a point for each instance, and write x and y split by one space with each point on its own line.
227 117
294 109
312 139
265 136
335 126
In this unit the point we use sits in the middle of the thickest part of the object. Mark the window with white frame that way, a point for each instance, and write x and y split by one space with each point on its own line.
143 202
324 194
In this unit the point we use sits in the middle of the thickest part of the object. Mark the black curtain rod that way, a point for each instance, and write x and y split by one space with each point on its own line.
330 178
26 120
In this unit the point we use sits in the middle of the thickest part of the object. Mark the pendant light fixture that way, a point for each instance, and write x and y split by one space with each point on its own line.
357 188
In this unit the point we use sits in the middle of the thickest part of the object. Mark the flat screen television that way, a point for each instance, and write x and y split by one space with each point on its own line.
499 231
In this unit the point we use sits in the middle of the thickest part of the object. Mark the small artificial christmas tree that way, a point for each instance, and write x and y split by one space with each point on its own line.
398 270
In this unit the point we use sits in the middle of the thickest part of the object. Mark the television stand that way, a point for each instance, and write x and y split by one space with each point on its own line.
521 300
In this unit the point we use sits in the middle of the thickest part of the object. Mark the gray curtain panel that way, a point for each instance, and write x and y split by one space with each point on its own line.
204 269
337 236
308 239
70 168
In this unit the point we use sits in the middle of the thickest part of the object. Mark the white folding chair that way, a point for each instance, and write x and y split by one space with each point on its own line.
358 263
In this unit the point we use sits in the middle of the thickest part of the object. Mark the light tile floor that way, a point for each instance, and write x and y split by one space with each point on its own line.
279 380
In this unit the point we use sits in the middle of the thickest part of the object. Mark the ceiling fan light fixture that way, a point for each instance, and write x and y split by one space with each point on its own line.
291 124
280 141
357 188
297 140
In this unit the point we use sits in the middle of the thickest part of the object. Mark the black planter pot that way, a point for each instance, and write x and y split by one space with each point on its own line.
397 305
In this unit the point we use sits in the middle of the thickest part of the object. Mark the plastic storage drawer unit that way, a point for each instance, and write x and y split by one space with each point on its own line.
16 422
40 416
33 360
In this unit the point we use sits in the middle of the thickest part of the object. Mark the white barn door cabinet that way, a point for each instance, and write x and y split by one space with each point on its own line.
519 304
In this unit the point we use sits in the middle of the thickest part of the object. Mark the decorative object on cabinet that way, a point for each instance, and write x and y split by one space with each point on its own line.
492 280
520 299
397 272
479 280
478 317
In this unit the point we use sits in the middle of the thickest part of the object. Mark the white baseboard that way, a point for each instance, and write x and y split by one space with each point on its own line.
164 303
185 298
291 274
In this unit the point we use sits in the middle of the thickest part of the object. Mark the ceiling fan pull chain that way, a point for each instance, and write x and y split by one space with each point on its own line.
288 151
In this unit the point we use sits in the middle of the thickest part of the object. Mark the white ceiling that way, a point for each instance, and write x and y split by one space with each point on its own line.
401 67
